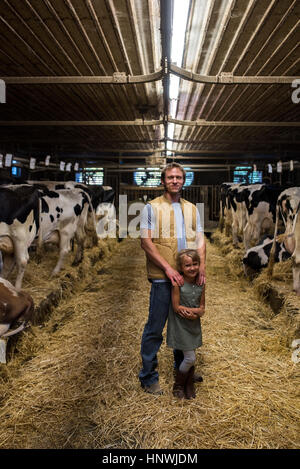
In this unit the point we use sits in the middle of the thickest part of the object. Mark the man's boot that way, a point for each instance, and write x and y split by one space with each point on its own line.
179 384
189 384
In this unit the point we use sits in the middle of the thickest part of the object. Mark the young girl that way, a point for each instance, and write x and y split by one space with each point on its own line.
184 327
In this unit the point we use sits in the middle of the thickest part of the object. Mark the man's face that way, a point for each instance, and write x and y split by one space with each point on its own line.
173 180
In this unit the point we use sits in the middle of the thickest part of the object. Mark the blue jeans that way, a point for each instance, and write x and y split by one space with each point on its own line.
160 298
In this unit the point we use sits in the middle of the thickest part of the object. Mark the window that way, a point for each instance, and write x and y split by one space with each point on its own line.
16 171
90 176
147 177
150 177
245 174
189 177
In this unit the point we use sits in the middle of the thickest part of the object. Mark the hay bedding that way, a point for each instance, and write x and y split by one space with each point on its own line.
80 390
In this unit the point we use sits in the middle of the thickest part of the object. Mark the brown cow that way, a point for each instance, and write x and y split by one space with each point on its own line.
16 308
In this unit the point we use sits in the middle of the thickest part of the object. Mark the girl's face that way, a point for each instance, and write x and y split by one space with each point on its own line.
190 268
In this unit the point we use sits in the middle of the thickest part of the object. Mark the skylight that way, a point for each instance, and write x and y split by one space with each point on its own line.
180 15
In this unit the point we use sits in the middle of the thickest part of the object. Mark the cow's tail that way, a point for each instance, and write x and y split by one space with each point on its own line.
273 249
39 233
221 219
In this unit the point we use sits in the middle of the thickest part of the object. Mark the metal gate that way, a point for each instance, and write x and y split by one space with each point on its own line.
209 195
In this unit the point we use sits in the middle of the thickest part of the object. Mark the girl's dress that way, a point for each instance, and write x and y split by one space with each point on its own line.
185 334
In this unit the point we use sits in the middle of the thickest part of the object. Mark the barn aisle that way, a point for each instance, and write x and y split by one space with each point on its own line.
81 390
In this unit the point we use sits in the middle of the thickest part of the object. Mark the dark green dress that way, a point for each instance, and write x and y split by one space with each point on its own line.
185 334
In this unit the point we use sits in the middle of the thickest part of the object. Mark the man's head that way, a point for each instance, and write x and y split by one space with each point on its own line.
173 177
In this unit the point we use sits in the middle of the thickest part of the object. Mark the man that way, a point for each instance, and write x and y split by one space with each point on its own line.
169 224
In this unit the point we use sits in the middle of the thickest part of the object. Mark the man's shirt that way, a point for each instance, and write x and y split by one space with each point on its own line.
148 222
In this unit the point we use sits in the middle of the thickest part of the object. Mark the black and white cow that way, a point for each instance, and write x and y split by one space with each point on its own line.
102 201
237 195
19 225
64 214
288 205
102 198
257 257
95 200
250 209
54 216
260 212
225 218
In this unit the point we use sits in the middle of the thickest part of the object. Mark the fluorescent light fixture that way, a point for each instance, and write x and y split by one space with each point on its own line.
180 15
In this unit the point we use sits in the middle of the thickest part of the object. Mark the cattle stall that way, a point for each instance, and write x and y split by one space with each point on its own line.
96 98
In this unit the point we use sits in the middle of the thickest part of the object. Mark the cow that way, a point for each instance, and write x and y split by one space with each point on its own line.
63 216
102 200
257 257
19 226
288 206
60 215
16 308
95 200
98 194
225 219
260 202
236 201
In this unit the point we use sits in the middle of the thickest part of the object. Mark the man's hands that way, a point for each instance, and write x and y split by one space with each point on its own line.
201 278
174 276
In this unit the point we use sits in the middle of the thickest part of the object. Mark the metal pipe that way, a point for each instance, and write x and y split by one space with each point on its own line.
115 79
80 123
141 122
202 122
229 79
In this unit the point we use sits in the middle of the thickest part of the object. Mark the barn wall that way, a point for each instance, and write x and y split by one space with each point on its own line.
213 177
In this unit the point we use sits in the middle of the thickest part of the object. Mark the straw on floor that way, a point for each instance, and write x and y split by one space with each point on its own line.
72 383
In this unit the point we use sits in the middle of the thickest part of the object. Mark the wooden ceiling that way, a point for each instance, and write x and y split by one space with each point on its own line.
90 78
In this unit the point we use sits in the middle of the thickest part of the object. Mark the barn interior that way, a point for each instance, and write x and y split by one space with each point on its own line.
106 92
115 86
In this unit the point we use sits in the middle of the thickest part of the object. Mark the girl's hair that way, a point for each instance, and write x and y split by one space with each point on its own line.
192 253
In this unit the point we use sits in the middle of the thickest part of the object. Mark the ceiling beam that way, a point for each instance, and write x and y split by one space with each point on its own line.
94 141
115 79
141 122
80 123
227 78
204 123
236 142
